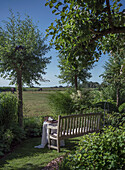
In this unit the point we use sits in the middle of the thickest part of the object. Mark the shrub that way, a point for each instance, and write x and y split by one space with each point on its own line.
61 103
122 108
81 100
98 151
6 138
108 106
8 109
10 132
115 119
109 93
33 126
18 133
105 99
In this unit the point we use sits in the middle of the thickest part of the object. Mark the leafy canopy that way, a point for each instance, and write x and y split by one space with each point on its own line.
22 49
70 70
82 26
114 68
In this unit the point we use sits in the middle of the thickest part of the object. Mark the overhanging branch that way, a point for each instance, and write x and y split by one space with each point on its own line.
109 14
114 30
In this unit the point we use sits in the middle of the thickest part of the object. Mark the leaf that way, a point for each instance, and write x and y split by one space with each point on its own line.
62 14
54 11
57 13
46 3
64 8
54 1
51 5
59 4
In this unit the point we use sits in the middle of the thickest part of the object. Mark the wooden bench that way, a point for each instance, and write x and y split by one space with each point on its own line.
73 126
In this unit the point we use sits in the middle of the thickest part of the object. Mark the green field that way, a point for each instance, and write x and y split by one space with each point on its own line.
36 103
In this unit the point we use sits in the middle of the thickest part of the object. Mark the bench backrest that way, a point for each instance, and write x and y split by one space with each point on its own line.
78 125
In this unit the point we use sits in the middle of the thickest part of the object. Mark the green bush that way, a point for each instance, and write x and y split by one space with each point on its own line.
10 132
122 108
18 133
105 99
8 109
109 93
61 103
114 119
33 126
81 100
70 102
6 138
108 106
98 151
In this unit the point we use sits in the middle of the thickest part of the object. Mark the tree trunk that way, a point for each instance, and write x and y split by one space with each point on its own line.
20 98
117 97
76 83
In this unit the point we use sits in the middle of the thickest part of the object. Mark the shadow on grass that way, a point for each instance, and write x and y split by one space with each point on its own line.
29 166
72 144
25 156
25 149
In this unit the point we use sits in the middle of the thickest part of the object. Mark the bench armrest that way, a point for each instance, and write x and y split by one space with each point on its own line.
52 127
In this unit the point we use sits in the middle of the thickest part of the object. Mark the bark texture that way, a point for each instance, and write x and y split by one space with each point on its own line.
20 98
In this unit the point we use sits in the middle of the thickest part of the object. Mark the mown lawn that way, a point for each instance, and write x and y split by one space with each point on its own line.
25 156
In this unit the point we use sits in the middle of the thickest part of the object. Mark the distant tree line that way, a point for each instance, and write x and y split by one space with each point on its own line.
7 89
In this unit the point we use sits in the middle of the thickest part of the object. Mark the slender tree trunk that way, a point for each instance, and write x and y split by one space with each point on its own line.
117 97
20 98
76 82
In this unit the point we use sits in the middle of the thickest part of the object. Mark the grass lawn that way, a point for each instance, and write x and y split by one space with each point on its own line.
36 103
25 156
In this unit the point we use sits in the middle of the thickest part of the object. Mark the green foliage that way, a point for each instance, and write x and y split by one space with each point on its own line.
5 141
8 109
81 100
71 102
106 94
33 126
109 94
99 151
122 108
22 55
115 119
22 50
113 75
107 106
18 134
73 72
10 132
83 26
61 103
10 137
112 68
105 99
5 89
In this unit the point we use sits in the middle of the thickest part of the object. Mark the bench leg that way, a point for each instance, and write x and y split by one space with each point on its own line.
58 145
49 140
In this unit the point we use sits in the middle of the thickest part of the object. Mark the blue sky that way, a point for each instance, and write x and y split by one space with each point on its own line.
43 17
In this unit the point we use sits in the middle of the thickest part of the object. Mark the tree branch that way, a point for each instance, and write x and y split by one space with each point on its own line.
109 14
114 30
